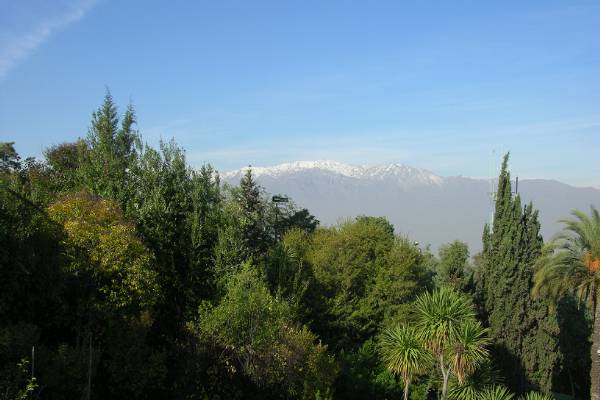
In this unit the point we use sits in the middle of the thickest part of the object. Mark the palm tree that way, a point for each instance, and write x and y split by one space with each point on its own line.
486 375
570 264
495 393
447 325
404 353
469 349
537 396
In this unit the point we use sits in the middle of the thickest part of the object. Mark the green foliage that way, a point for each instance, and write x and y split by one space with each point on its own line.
495 393
286 273
28 178
568 267
16 379
257 335
9 158
104 252
363 375
575 321
230 250
205 218
135 276
299 219
252 217
452 265
63 162
446 324
564 266
31 385
524 330
364 276
483 377
177 212
404 354
537 396
109 152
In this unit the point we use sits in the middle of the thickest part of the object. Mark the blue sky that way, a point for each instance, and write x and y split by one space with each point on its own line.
442 85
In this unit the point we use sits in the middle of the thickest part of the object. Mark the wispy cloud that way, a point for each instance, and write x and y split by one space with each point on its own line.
16 46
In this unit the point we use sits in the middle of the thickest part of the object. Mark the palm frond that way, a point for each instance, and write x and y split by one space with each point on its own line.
486 375
441 314
567 263
495 393
469 349
537 396
403 352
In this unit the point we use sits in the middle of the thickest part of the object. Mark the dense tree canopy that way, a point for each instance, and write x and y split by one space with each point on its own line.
126 273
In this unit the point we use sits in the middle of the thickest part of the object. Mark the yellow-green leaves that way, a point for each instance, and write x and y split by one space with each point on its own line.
103 249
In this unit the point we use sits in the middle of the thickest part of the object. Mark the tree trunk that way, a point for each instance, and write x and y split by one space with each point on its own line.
595 372
445 386
406 385
445 376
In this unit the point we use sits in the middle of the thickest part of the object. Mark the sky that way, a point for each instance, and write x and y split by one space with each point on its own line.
443 85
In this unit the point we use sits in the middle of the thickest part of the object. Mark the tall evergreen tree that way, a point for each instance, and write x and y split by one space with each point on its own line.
206 216
523 329
109 151
254 227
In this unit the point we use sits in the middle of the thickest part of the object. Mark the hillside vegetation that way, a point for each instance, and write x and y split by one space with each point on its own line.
127 274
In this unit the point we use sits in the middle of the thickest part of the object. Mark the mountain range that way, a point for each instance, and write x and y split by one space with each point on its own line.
426 207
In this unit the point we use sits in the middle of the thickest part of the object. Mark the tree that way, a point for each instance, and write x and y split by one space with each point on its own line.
64 161
27 177
453 261
363 375
363 276
256 332
446 323
253 218
176 210
293 218
205 218
111 288
404 354
109 152
285 271
9 158
105 254
524 330
569 264
231 249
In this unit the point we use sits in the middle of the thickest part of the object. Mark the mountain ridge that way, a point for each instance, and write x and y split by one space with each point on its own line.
365 172
430 208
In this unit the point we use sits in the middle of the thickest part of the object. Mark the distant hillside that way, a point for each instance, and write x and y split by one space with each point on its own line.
428 208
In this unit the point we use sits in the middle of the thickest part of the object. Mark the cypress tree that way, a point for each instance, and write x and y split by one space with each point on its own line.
524 331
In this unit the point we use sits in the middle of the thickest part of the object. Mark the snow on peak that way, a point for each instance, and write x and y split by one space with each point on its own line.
396 172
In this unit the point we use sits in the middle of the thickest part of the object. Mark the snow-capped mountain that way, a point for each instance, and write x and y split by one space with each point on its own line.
429 208
401 174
